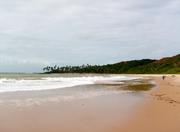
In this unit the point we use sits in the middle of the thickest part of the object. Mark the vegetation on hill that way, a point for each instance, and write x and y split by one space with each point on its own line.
167 65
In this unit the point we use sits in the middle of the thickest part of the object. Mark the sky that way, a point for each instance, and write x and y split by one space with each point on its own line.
36 33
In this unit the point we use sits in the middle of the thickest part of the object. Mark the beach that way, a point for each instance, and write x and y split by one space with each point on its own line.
161 110
82 103
97 108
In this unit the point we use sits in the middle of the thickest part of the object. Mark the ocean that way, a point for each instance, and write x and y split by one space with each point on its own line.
13 82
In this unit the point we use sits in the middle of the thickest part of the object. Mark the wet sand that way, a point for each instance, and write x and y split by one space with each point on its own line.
51 111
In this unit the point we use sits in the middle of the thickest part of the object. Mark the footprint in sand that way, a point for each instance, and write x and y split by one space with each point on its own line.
167 99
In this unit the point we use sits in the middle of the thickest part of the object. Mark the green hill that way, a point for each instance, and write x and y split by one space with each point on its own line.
169 65
165 65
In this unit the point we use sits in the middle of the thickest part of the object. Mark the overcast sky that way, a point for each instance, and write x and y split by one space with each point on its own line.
36 33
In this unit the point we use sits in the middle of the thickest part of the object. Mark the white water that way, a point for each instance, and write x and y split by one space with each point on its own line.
45 83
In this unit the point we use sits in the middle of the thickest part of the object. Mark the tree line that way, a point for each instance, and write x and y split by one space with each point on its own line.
165 65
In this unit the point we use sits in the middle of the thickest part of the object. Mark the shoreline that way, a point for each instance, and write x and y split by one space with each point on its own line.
160 111
157 110
87 108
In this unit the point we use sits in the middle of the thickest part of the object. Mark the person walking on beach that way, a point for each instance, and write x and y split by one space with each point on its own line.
163 77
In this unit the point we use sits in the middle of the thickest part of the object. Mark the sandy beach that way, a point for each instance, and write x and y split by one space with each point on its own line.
161 110
156 111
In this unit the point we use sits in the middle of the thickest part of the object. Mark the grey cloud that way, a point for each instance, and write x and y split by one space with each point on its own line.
35 33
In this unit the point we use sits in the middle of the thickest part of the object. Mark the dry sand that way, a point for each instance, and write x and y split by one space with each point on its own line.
161 110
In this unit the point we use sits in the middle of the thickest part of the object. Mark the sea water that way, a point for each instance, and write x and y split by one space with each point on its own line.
13 82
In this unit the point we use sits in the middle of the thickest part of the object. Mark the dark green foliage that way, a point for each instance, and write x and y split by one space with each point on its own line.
169 65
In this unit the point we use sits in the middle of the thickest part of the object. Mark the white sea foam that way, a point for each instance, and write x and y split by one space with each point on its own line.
12 85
